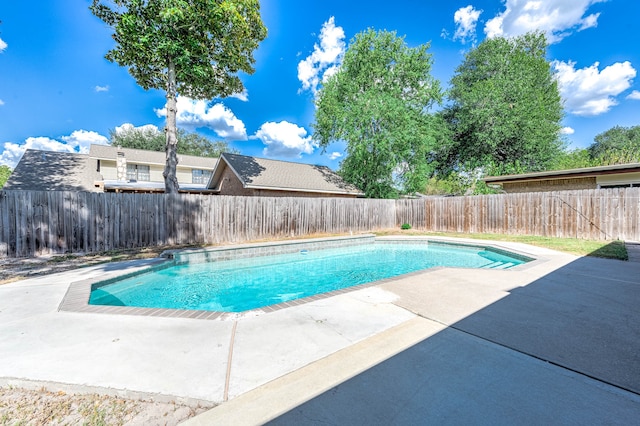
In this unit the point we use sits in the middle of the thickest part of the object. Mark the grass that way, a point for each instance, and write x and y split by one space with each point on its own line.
604 249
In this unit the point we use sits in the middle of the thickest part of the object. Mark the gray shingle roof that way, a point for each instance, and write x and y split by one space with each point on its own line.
261 173
581 172
140 156
53 171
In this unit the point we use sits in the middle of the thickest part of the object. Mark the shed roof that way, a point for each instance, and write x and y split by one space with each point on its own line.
565 174
262 173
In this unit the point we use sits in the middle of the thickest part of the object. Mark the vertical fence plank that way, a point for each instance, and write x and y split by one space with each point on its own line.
33 223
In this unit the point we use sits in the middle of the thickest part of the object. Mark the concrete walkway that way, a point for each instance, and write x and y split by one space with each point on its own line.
633 250
556 341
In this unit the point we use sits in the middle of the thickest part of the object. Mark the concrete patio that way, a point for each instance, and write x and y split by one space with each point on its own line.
556 341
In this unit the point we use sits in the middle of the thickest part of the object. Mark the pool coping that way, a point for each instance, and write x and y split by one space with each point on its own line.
76 298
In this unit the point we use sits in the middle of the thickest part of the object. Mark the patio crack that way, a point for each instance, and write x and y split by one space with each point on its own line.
229 360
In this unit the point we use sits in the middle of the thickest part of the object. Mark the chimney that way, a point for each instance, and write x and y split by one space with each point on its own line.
121 167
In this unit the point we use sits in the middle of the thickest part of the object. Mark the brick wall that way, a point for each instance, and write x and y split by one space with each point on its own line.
551 185
231 185
270 193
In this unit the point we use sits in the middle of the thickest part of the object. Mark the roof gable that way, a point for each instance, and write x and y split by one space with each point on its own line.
52 171
262 173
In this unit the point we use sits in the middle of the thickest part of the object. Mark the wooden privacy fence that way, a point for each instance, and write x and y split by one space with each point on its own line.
596 214
34 222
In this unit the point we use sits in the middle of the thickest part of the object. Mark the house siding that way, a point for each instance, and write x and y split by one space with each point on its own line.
619 179
545 185
108 172
108 169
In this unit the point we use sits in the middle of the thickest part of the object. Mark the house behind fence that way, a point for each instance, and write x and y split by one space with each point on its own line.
43 222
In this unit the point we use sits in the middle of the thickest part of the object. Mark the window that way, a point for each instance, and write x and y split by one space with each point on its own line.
625 185
138 172
200 176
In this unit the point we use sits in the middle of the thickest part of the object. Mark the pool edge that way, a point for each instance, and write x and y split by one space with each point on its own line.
76 298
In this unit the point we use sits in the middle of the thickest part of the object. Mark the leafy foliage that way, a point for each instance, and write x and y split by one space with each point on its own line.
191 47
617 145
5 172
573 159
505 108
207 41
153 140
377 103
457 183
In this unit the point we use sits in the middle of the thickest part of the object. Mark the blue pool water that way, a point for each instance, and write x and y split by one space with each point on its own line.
244 284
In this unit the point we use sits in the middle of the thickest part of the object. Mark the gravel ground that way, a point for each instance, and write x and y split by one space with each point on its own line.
42 407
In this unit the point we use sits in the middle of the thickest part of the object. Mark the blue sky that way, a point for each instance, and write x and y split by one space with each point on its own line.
57 92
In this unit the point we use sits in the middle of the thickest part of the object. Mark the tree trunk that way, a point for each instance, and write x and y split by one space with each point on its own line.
170 179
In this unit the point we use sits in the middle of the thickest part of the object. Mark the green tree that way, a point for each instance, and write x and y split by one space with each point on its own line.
617 145
505 109
151 139
573 159
377 103
190 47
5 172
146 137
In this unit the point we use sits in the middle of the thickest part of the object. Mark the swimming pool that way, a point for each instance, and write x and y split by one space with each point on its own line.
242 284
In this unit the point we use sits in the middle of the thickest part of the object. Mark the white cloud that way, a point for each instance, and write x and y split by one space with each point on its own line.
1 102
325 58
285 139
243 96
567 131
3 45
147 128
335 156
466 19
78 141
588 91
556 18
194 114
102 89
635 95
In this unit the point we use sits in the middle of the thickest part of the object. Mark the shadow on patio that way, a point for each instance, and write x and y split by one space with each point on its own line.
563 349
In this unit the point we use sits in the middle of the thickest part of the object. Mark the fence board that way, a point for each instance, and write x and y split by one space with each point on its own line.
34 223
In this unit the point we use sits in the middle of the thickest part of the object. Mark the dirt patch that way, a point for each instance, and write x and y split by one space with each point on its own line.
15 269
20 268
42 407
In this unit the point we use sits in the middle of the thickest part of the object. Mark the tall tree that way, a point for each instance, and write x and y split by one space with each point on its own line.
190 47
377 102
151 139
617 145
505 109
